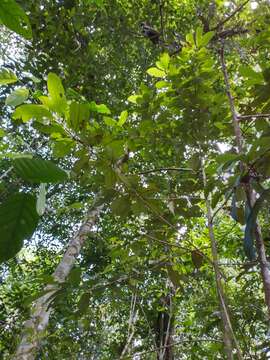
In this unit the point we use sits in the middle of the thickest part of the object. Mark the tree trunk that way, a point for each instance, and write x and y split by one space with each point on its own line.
35 327
228 333
250 193
165 330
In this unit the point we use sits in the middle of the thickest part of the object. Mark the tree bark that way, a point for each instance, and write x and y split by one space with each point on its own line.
250 193
34 328
228 333
165 330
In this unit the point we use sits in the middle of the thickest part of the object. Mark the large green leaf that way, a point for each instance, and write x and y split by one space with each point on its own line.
121 206
39 171
56 91
29 111
62 147
17 97
206 38
18 221
78 115
13 16
7 77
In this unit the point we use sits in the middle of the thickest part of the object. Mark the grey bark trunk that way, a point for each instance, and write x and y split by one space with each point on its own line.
35 327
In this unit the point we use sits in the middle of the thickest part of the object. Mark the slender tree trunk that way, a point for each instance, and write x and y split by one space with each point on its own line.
250 193
228 333
34 328
165 329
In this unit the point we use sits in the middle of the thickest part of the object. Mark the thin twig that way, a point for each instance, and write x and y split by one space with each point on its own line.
161 6
167 243
131 324
237 10
252 117
164 169
6 172
173 344
122 177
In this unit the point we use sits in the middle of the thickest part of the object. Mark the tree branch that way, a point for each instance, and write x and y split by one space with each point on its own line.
253 117
163 169
228 18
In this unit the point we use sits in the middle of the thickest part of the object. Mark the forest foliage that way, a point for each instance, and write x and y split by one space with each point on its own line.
134 186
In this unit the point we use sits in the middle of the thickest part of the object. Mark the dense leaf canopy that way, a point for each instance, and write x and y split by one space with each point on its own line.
134 184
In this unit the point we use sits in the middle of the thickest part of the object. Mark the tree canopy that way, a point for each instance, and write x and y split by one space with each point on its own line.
134 186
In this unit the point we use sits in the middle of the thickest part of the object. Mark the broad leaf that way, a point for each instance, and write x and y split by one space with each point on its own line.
99 108
57 99
109 121
123 118
28 111
39 171
253 76
206 38
133 98
78 116
14 17
62 147
121 206
17 97
7 77
199 36
18 221
155 72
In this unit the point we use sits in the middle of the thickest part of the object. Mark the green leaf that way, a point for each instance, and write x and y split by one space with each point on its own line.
78 116
199 36
207 38
7 77
57 94
62 147
253 76
162 84
39 171
13 17
17 97
133 98
109 121
99 108
121 206
163 62
122 118
190 39
29 111
18 221
83 303
41 200
155 72
74 277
